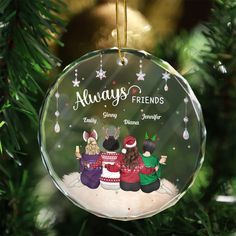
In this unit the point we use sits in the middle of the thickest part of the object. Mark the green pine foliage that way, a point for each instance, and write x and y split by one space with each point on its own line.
26 28
19 209
218 65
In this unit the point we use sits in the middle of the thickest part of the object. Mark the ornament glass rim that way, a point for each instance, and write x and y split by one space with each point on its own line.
161 63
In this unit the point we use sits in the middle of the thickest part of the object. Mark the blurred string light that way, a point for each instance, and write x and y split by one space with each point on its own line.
132 33
226 199
220 67
45 218
2 24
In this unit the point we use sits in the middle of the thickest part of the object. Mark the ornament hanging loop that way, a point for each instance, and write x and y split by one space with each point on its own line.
121 55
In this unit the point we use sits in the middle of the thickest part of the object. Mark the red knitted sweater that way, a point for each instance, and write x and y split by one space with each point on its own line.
126 174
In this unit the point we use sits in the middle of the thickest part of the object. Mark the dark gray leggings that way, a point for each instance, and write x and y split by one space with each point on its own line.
151 187
130 186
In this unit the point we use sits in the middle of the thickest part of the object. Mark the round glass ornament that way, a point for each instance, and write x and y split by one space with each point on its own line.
122 141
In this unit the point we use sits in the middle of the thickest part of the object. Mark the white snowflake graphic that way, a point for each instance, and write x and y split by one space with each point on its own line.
165 76
140 75
101 74
76 82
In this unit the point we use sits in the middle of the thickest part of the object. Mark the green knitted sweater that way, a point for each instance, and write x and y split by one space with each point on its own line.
151 161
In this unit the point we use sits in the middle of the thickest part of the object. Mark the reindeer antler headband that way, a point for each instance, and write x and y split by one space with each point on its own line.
116 134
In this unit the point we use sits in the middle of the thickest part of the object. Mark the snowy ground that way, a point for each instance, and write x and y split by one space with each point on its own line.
120 204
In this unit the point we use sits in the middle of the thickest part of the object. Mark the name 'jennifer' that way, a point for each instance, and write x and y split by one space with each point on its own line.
150 117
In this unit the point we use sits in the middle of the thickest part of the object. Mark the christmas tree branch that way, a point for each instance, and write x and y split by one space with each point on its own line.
219 63
26 29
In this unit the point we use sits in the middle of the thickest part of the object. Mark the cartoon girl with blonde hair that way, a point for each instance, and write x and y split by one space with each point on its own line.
90 176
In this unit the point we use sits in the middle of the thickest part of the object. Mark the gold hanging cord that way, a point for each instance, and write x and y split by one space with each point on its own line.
122 57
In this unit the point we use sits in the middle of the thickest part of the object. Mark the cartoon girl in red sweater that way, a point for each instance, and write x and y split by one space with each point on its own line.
130 164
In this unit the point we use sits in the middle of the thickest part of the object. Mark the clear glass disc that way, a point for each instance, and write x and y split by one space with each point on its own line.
98 110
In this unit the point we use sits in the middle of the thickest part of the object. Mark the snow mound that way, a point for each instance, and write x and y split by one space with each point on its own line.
119 204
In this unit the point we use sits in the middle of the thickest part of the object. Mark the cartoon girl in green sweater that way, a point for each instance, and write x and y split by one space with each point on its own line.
151 182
